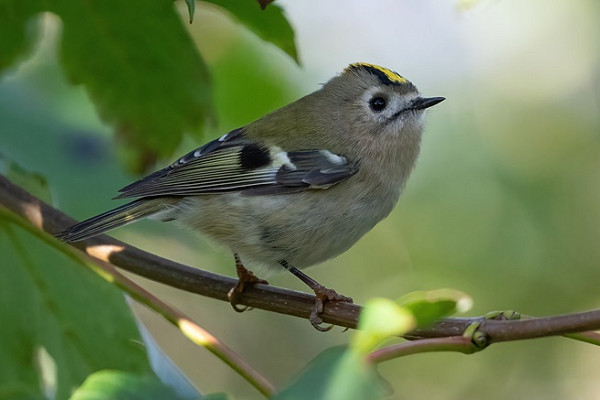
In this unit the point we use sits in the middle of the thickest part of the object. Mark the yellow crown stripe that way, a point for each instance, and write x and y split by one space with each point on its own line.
389 74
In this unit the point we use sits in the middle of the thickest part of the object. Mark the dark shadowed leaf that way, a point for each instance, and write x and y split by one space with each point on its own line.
140 68
60 321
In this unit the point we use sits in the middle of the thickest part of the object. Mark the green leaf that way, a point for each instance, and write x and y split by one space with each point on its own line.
336 374
60 321
140 68
429 306
124 386
269 24
17 29
380 319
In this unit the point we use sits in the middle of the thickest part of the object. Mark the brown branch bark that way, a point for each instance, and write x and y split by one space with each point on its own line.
271 298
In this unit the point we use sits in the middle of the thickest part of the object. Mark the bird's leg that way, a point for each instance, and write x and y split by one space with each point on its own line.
245 277
322 294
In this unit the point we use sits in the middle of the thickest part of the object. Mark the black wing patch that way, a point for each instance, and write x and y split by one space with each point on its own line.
233 163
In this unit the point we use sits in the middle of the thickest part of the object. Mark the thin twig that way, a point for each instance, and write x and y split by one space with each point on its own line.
188 327
461 344
586 337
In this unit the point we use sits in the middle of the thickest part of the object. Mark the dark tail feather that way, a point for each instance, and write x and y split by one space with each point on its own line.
114 218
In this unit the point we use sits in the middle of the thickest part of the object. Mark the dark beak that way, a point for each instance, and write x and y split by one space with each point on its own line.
422 103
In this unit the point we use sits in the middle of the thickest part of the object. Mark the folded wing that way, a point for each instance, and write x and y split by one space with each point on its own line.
234 163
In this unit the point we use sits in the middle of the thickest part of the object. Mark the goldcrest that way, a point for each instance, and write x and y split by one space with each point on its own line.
296 187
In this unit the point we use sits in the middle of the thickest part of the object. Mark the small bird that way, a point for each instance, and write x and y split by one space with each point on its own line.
295 188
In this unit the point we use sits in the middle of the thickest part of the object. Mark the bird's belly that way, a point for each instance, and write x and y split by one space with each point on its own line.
303 228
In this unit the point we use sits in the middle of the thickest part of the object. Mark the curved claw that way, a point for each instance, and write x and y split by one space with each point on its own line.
245 278
238 308
233 295
315 320
317 325
324 294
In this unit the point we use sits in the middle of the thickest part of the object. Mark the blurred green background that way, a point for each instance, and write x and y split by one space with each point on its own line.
504 203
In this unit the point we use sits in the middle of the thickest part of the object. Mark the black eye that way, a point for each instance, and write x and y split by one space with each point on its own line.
377 103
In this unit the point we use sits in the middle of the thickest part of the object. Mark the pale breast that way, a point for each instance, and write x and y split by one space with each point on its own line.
302 228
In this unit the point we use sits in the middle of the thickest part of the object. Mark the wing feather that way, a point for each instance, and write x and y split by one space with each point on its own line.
234 163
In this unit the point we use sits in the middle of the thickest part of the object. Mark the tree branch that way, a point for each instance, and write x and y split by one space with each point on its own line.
267 297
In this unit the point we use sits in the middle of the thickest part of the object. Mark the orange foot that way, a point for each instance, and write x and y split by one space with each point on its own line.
245 278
